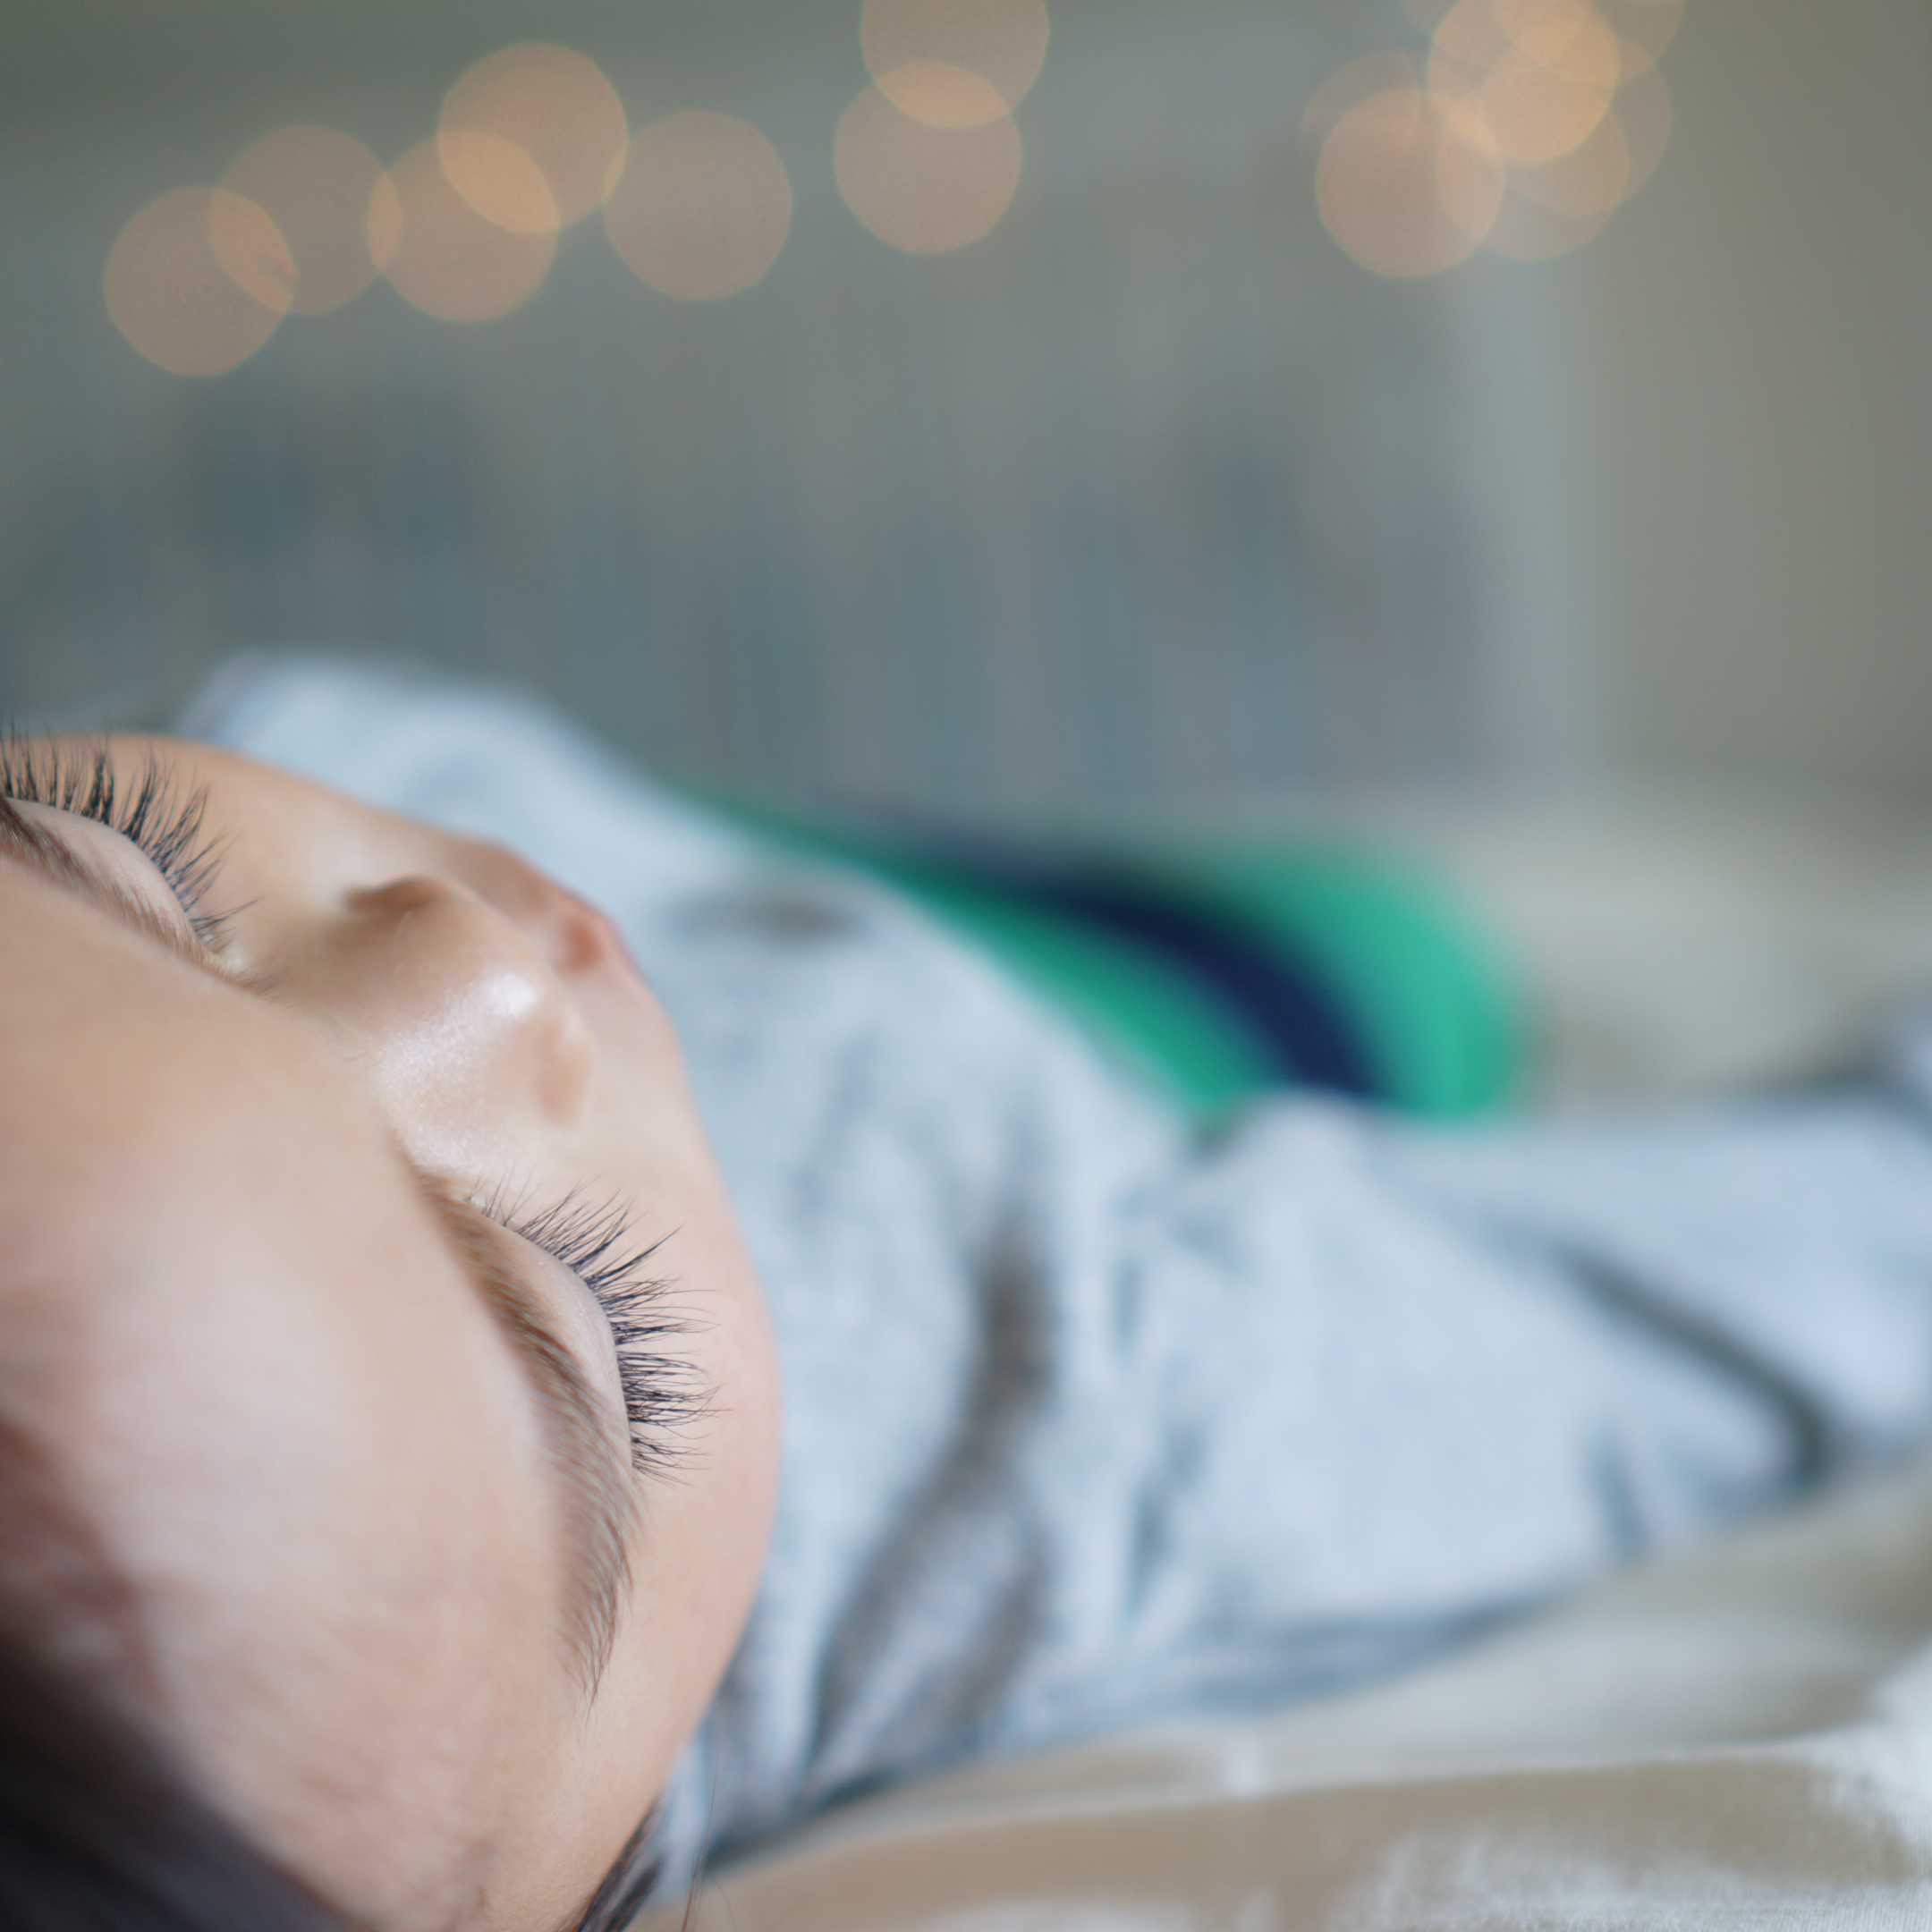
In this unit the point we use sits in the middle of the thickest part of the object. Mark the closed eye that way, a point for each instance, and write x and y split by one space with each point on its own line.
167 825
26 840
663 1395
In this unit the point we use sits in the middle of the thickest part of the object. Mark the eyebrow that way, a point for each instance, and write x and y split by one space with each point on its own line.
588 1449
595 1492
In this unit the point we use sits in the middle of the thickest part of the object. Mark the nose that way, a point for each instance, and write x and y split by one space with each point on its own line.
571 934
458 1014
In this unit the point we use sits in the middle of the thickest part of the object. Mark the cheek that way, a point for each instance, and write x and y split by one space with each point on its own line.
634 1031
326 1482
641 1124
737 1444
360 1645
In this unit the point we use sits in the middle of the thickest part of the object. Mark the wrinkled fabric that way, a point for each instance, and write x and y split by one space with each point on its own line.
1091 1420
1737 1735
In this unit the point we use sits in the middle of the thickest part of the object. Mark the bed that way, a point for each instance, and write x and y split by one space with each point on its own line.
1741 1736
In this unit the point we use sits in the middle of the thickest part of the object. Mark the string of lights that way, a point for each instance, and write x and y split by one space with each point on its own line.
1520 129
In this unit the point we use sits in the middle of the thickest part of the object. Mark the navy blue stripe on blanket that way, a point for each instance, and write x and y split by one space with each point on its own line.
1304 1032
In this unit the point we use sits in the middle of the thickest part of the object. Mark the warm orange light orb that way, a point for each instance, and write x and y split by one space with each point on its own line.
1380 72
315 185
1590 180
1536 120
1406 189
924 188
499 181
702 206
553 110
441 254
924 54
1540 73
943 96
198 280
1527 229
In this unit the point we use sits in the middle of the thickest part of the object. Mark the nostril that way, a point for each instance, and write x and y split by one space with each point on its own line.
575 937
577 945
582 939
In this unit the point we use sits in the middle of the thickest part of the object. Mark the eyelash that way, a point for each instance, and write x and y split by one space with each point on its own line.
167 826
662 1396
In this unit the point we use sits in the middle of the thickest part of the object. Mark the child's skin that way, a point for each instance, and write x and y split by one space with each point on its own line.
277 1358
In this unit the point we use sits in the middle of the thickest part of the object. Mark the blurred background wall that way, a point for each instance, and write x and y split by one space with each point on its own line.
1753 360
1152 498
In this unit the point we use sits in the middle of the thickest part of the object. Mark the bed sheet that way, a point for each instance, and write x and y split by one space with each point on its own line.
1738 1737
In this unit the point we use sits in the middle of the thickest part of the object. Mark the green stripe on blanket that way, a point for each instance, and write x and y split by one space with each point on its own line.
1369 944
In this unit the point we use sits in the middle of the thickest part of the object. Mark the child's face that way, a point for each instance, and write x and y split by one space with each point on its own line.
360 1451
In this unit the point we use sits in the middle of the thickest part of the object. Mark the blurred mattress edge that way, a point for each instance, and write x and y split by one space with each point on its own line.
1687 943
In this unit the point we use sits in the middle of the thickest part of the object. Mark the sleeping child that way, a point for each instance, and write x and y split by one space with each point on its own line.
545 1339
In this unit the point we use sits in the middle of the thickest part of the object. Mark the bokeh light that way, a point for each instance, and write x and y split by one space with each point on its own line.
1405 188
251 250
1590 180
315 185
1381 72
1537 119
499 181
1541 72
561 122
702 206
943 96
954 62
1528 230
198 280
921 188
441 254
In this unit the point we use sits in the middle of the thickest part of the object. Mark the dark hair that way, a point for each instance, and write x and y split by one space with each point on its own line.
100 1830
627 1885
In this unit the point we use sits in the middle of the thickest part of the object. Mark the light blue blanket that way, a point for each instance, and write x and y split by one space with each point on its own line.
1091 1419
